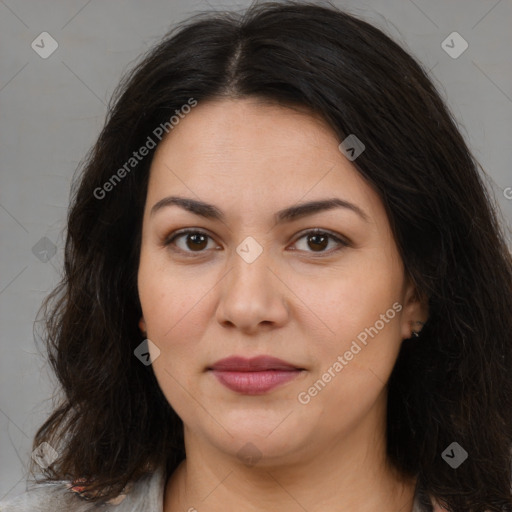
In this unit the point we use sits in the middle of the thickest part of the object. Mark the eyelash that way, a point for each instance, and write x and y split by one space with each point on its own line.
194 254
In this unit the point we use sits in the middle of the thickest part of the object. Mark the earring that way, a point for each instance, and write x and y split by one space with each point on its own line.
416 333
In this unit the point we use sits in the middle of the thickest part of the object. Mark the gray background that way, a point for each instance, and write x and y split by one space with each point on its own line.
53 109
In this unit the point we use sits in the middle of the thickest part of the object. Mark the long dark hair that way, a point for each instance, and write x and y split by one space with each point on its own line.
453 384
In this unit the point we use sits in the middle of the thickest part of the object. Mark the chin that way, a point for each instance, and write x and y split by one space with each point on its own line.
268 438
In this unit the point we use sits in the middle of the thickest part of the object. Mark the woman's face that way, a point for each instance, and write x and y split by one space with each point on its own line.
253 282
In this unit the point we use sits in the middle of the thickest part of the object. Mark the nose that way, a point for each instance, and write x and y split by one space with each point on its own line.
252 296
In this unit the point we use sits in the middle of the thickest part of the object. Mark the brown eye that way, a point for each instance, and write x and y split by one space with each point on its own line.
194 241
317 241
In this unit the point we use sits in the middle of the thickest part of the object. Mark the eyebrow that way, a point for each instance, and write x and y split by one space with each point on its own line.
210 211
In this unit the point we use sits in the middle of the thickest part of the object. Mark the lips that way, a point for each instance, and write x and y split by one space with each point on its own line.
255 364
254 376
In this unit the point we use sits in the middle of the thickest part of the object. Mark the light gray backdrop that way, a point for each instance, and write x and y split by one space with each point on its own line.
52 107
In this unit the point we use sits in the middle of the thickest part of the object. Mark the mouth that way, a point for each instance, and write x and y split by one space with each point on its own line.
254 376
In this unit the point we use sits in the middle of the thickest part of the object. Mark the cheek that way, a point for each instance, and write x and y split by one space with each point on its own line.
357 316
167 295
354 361
172 313
177 307
174 316
350 298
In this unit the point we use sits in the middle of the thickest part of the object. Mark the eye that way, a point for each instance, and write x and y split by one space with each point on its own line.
195 241
318 240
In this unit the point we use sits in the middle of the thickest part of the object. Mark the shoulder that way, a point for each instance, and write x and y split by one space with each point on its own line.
45 497
145 494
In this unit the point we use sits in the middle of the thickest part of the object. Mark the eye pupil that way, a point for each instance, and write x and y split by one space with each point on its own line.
315 238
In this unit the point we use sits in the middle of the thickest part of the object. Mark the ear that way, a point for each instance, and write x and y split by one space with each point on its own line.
142 325
415 311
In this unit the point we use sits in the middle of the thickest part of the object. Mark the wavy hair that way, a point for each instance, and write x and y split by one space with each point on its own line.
112 422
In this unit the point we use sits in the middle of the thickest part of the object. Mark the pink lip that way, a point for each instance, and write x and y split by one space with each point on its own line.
253 376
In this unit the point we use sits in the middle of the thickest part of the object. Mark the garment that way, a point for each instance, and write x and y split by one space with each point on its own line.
146 495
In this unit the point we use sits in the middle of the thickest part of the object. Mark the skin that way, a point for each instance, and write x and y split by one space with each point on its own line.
296 301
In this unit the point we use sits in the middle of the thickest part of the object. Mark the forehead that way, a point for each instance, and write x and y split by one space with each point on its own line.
231 128
249 151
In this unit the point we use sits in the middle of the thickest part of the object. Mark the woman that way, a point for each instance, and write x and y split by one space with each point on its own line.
286 287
